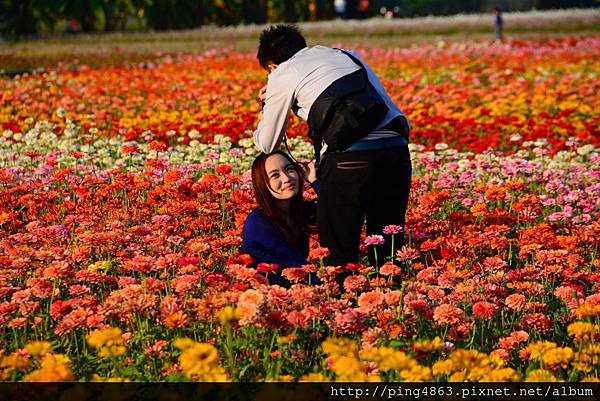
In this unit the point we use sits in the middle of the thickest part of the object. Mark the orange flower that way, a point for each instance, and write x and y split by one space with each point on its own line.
176 320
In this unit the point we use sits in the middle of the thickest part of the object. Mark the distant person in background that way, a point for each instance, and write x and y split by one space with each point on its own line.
340 8
363 8
73 27
499 23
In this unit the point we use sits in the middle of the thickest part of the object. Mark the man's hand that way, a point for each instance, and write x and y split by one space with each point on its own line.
262 94
310 170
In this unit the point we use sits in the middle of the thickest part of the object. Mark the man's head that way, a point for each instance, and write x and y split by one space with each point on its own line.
278 43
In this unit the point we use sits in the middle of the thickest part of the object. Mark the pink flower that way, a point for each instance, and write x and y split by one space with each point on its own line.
317 254
240 272
447 314
355 283
519 336
484 310
502 354
392 229
301 318
390 269
294 274
407 253
369 337
393 298
374 240
76 290
349 322
249 306
515 301
156 350
371 301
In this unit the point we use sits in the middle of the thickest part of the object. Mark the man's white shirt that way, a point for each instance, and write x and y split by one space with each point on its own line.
298 82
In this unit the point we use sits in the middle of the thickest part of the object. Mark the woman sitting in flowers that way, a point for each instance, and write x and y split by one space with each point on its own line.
277 231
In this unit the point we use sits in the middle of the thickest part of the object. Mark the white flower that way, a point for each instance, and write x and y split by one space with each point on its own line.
515 137
441 146
585 149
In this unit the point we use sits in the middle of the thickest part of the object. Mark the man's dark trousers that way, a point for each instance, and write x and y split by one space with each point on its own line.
355 184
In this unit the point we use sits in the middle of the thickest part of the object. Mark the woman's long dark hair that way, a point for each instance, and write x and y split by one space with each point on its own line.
271 207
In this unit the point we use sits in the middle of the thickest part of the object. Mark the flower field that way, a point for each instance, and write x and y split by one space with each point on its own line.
124 189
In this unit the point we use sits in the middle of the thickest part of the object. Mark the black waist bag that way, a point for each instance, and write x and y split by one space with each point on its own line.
349 109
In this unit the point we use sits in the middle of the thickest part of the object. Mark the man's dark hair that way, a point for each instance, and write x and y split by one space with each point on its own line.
278 43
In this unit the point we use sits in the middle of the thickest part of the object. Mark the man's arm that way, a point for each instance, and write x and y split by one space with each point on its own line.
279 98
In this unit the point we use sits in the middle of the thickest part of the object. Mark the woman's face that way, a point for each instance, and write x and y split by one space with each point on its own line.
283 178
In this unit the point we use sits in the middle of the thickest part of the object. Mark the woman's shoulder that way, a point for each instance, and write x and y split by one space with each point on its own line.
257 220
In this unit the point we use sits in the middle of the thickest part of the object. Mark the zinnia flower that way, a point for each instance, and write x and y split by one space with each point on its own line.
371 301
374 240
447 314
515 301
484 310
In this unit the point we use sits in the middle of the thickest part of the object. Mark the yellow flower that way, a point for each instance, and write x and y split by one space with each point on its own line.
538 349
582 330
501 375
558 356
540 375
388 358
200 361
108 342
416 373
340 346
106 337
587 358
587 310
10 363
227 315
590 380
102 265
468 365
115 350
98 378
314 377
38 348
54 368
14 361
215 375
183 343
443 368
427 346
286 339
346 367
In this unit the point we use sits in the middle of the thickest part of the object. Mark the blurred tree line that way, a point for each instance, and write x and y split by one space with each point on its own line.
21 18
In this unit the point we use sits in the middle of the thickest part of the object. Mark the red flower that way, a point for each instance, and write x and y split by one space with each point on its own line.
317 254
158 146
223 169
484 310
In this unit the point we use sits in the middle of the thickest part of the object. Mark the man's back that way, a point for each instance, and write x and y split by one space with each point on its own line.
298 82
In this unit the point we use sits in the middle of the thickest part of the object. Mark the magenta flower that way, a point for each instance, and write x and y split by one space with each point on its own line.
374 240
392 229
